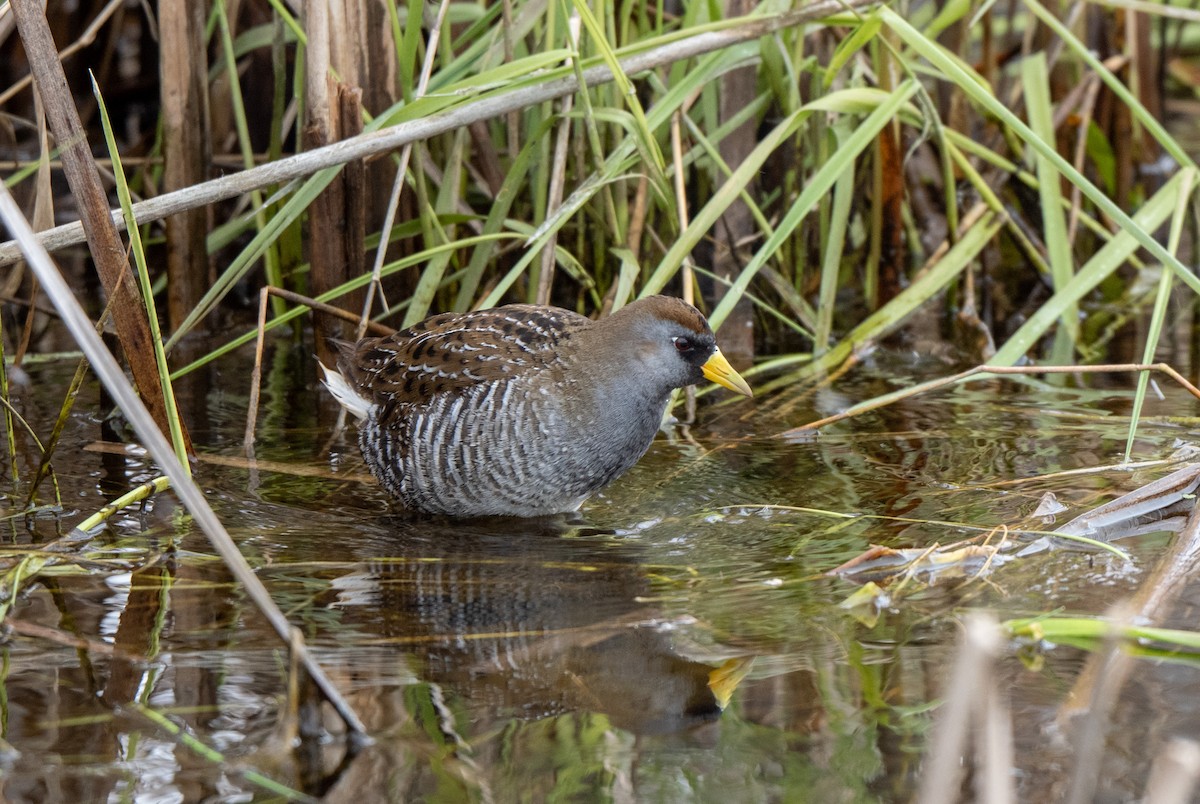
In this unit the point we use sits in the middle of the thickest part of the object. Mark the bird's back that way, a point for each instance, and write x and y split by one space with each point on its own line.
464 414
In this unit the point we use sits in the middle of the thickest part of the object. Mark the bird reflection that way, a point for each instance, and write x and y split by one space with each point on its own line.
528 619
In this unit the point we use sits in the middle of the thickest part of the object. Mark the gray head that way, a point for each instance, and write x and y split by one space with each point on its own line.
661 343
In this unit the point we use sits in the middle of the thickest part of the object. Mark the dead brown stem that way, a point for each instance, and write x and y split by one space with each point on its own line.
234 462
256 375
129 314
373 327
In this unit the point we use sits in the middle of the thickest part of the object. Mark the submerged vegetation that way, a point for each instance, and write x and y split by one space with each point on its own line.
980 182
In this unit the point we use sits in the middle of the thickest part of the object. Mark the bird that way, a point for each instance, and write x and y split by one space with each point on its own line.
522 410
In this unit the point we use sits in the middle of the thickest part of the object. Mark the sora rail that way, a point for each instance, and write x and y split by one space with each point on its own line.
521 410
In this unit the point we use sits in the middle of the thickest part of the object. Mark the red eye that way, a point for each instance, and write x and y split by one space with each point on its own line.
683 344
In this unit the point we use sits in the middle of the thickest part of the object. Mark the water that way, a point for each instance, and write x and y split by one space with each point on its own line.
507 660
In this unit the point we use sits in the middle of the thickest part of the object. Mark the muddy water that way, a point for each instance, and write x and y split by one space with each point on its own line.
506 660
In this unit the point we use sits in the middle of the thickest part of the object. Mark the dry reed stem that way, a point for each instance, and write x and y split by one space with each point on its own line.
688 273
336 221
187 151
255 376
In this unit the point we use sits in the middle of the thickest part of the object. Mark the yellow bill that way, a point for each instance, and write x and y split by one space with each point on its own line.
725 679
718 370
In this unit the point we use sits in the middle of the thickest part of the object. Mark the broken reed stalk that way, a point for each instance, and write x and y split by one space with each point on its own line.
393 137
113 378
255 377
104 242
942 382
367 325
187 150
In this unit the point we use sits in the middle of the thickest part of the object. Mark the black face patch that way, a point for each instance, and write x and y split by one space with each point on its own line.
703 346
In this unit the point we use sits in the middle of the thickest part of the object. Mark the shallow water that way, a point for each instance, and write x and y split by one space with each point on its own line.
506 660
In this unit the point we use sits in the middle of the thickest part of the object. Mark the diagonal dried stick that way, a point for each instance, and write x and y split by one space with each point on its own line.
373 327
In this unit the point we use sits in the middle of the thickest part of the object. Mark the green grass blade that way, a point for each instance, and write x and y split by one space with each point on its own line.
1161 305
818 185
974 86
1060 629
831 259
143 276
1035 80
1111 256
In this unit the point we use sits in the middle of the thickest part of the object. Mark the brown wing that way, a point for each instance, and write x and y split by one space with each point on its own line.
451 352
